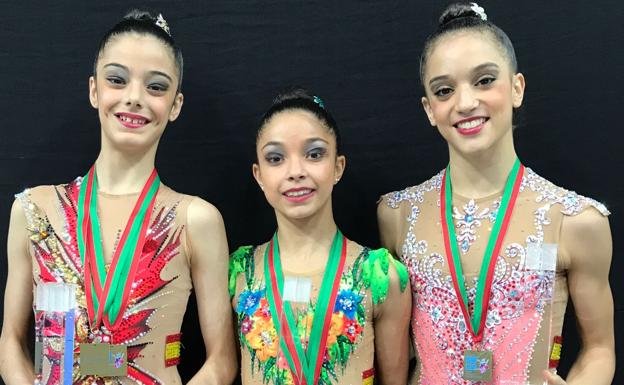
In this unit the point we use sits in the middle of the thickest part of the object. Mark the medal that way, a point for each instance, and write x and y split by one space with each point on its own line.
103 360
306 365
477 363
107 293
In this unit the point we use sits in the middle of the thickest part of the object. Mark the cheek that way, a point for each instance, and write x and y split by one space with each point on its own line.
162 107
440 111
325 172
501 98
270 177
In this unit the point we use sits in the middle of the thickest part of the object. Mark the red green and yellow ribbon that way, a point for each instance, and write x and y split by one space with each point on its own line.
484 285
305 365
107 294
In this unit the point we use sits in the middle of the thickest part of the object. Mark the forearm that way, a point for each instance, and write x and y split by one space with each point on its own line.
216 372
395 372
594 366
15 365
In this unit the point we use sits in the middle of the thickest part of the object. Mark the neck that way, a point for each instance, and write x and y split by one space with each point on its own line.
119 172
306 239
480 175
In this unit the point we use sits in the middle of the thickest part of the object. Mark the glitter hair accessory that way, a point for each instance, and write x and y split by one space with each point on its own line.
319 101
162 23
479 11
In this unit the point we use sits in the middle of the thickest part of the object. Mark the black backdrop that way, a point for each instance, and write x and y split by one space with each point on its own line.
361 57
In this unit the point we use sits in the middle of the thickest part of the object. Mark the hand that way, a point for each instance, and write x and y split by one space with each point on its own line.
553 378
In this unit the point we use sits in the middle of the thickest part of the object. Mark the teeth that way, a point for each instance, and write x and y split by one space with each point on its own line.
124 118
470 124
298 193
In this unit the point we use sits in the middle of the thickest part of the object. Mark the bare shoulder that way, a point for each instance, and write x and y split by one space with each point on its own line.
389 222
202 215
586 238
386 212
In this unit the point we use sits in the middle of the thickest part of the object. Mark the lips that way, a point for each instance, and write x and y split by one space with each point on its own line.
131 120
470 126
298 194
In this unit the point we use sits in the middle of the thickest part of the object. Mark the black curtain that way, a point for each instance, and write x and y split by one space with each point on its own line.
361 57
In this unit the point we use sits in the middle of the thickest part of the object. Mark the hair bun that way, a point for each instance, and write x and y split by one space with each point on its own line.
462 11
139 15
144 15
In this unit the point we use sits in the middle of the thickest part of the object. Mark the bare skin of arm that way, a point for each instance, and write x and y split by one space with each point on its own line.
586 242
209 265
392 342
390 231
16 367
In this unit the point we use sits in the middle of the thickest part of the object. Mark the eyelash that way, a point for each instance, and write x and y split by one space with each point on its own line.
117 81
486 80
482 82
158 87
442 92
316 153
273 158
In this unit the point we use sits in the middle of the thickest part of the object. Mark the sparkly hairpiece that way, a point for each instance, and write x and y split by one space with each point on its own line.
162 23
479 11
319 101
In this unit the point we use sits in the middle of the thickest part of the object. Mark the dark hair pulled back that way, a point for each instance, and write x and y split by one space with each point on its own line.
299 98
467 16
144 22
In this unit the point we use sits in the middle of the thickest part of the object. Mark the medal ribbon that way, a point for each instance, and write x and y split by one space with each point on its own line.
107 294
305 365
484 285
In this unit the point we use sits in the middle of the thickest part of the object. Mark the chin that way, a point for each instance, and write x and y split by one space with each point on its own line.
132 141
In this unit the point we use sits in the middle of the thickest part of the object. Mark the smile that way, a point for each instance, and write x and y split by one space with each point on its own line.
299 194
131 120
470 126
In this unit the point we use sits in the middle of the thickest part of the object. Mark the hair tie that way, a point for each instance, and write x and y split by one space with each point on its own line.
319 101
162 23
479 11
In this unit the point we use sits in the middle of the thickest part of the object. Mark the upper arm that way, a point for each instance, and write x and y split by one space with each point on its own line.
586 242
389 222
209 270
18 294
392 331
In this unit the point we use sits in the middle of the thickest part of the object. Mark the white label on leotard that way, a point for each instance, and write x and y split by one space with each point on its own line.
541 256
297 289
55 297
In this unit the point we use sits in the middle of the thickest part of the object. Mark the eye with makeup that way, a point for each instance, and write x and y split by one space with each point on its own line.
442 92
115 80
273 157
157 84
485 81
158 88
316 153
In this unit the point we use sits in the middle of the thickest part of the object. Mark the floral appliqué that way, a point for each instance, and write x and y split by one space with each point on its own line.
257 331
468 221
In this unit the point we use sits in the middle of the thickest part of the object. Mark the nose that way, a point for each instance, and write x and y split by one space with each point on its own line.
296 169
467 100
134 94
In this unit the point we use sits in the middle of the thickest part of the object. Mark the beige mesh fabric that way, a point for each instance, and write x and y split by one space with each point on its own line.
361 360
43 208
537 217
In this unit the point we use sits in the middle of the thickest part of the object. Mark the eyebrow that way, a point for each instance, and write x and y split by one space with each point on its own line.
307 142
478 68
123 67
